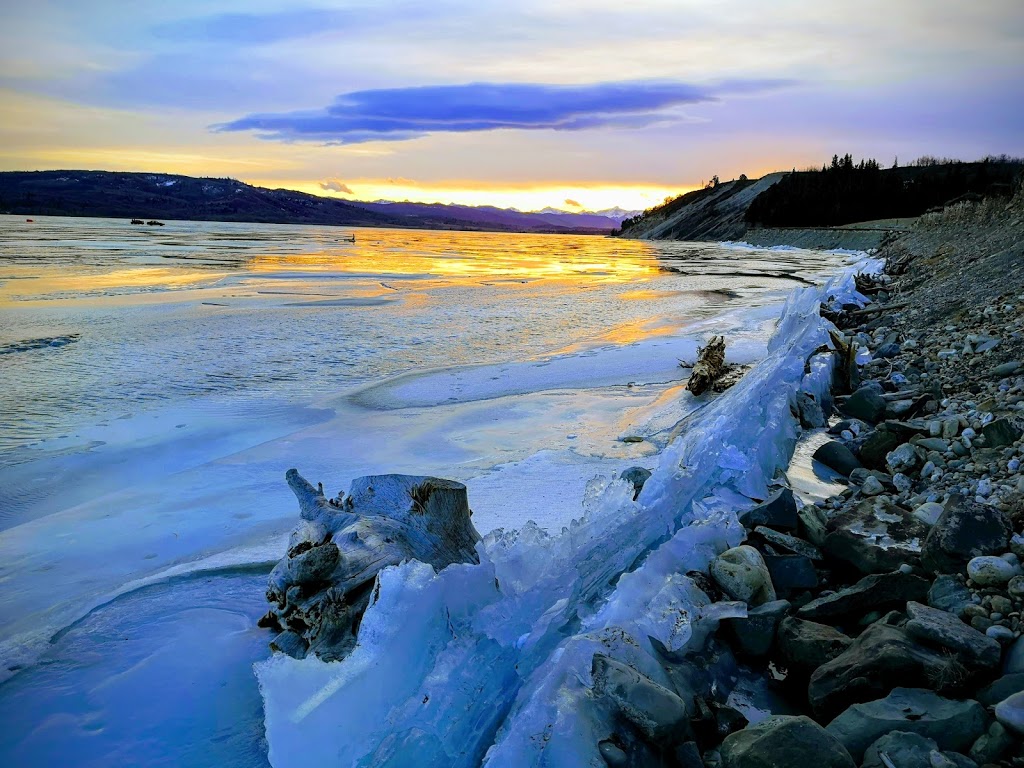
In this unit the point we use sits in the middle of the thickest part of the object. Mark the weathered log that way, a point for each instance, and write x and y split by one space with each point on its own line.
319 591
710 362
846 376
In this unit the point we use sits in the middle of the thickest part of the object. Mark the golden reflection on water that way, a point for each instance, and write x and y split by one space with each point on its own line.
474 254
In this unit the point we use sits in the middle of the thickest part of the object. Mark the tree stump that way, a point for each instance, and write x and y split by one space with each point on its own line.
319 591
709 366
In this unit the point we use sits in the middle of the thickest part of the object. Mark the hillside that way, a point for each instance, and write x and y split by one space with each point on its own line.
713 213
170 196
816 204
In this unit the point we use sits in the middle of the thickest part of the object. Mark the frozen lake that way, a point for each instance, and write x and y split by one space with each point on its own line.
156 383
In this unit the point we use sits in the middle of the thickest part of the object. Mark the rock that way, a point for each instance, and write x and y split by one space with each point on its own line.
1008 369
1010 712
1014 659
811 414
319 591
813 523
658 713
789 543
784 741
743 575
928 513
991 571
904 459
777 511
1004 687
938 628
872 486
1000 634
953 725
878 592
875 536
991 745
900 749
964 530
1000 433
791 572
885 351
866 404
836 456
948 594
806 645
882 657
933 444
636 476
876 446
755 634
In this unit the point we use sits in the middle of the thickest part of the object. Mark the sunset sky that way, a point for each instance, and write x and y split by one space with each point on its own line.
571 104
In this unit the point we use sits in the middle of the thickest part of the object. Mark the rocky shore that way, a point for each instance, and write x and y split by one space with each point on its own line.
886 620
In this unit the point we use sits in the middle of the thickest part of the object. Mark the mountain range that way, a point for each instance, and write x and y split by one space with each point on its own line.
168 196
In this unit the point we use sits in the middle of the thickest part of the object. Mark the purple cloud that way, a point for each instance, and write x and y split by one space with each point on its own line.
395 114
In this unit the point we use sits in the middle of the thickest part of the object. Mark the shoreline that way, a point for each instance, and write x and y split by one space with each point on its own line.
820 617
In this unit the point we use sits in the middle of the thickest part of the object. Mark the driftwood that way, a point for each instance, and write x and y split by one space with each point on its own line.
319 591
846 376
710 362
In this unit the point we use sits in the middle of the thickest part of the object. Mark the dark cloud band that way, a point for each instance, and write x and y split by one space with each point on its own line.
394 114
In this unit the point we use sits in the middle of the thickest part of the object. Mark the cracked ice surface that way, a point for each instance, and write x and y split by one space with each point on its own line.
491 663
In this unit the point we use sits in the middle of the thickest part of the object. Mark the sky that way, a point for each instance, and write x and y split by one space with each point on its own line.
570 104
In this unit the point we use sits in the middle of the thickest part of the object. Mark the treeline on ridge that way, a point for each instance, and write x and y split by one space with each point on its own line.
845 192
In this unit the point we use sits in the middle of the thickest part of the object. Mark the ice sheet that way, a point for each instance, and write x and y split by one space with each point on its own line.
491 662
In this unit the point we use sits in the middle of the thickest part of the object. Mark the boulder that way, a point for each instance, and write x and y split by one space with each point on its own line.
811 414
656 712
953 725
1007 685
319 591
948 594
784 741
1000 433
836 456
945 631
878 592
1010 712
901 749
991 745
964 530
791 572
991 571
743 575
866 404
1013 661
789 544
777 511
904 458
806 645
636 476
875 536
755 635
883 657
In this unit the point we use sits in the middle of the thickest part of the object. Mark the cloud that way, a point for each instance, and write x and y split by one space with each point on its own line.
335 185
396 114
572 203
